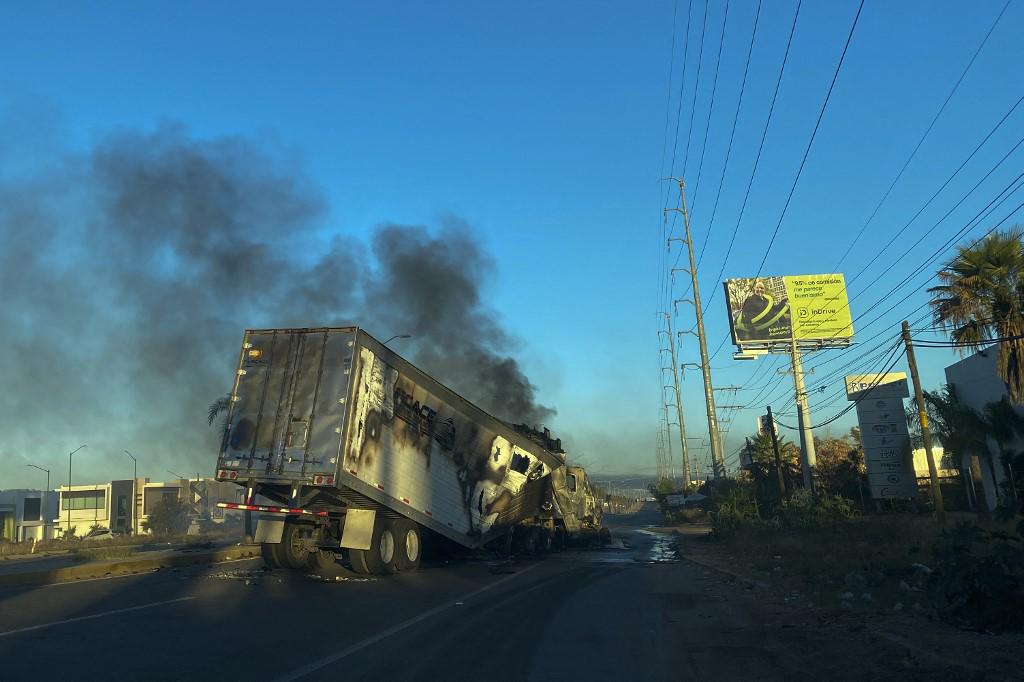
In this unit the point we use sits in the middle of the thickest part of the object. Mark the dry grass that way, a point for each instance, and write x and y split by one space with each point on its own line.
105 553
859 561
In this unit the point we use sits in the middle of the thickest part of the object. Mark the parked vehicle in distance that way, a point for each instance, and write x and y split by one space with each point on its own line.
100 534
343 446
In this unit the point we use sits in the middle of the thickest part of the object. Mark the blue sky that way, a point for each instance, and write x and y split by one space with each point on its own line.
544 126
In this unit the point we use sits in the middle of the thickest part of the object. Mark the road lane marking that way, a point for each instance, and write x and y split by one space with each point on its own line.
95 615
384 634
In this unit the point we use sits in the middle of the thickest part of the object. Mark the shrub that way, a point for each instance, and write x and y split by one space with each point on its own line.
804 510
733 504
979 577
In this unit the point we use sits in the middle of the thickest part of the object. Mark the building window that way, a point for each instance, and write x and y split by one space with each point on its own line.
155 496
33 510
122 505
84 499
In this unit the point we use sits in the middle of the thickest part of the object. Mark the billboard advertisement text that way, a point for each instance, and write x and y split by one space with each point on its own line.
772 310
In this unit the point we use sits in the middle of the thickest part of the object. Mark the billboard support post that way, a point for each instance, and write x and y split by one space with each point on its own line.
926 436
717 458
808 457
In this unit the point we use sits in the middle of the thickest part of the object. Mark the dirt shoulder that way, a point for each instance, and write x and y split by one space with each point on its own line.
892 611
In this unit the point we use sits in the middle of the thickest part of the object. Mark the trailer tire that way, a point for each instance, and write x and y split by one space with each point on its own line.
408 544
357 559
543 541
525 541
268 550
321 559
380 558
293 550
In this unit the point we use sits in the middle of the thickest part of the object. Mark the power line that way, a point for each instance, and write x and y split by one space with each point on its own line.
711 107
732 135
814 134
927 131
757 158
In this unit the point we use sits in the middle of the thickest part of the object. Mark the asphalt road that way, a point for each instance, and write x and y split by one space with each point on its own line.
636 613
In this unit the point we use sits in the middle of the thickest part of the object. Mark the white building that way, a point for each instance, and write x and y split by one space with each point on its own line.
27 515
106 505
977 384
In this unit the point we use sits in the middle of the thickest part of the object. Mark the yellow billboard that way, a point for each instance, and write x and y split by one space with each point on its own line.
766 311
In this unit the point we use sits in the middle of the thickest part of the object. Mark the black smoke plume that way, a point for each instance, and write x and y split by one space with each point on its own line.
128 275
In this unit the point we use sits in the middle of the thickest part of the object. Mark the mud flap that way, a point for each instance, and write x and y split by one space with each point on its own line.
269 529
358 532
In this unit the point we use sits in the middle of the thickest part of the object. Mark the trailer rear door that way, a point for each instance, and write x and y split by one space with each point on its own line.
288 407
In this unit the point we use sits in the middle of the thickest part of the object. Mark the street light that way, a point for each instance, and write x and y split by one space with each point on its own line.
67 500
135 503
46 496
398 336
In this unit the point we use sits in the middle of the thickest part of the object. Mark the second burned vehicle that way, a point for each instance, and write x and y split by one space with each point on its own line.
344 447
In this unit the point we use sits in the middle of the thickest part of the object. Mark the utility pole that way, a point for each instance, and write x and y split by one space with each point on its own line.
679 401
926 436
780 478
717 458
670 458
808 460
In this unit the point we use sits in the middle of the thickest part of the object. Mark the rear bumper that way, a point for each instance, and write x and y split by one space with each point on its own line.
268 509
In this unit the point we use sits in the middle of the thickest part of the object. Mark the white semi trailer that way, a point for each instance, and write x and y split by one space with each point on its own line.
342 446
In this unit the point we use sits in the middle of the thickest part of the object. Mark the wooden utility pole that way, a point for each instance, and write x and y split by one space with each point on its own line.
926 436
781 479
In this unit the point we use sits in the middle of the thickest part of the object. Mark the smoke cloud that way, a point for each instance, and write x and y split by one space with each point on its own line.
129 274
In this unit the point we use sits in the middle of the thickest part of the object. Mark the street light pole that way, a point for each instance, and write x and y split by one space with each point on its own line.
67 500
135 482
46 496
397 336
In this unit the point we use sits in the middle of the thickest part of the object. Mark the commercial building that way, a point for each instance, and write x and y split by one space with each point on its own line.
102 505
122 506
27 515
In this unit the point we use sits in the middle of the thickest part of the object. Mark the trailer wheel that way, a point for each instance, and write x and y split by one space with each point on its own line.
357 558
268 550
542 541
380 558
408 544
293 551
320 559
525 541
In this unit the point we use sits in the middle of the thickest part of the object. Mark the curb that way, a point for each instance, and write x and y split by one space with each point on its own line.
104 569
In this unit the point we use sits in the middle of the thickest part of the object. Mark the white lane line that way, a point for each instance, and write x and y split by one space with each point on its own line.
384 634
95 615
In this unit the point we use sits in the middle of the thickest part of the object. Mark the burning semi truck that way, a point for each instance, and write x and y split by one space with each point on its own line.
343 447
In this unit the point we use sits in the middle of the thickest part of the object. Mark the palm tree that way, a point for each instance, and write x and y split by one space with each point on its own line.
1004 423
981 299
216 407
959 428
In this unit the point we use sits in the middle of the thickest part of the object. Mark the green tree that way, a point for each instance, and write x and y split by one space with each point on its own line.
1004 423
959 429
169 517
981 298
839 467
